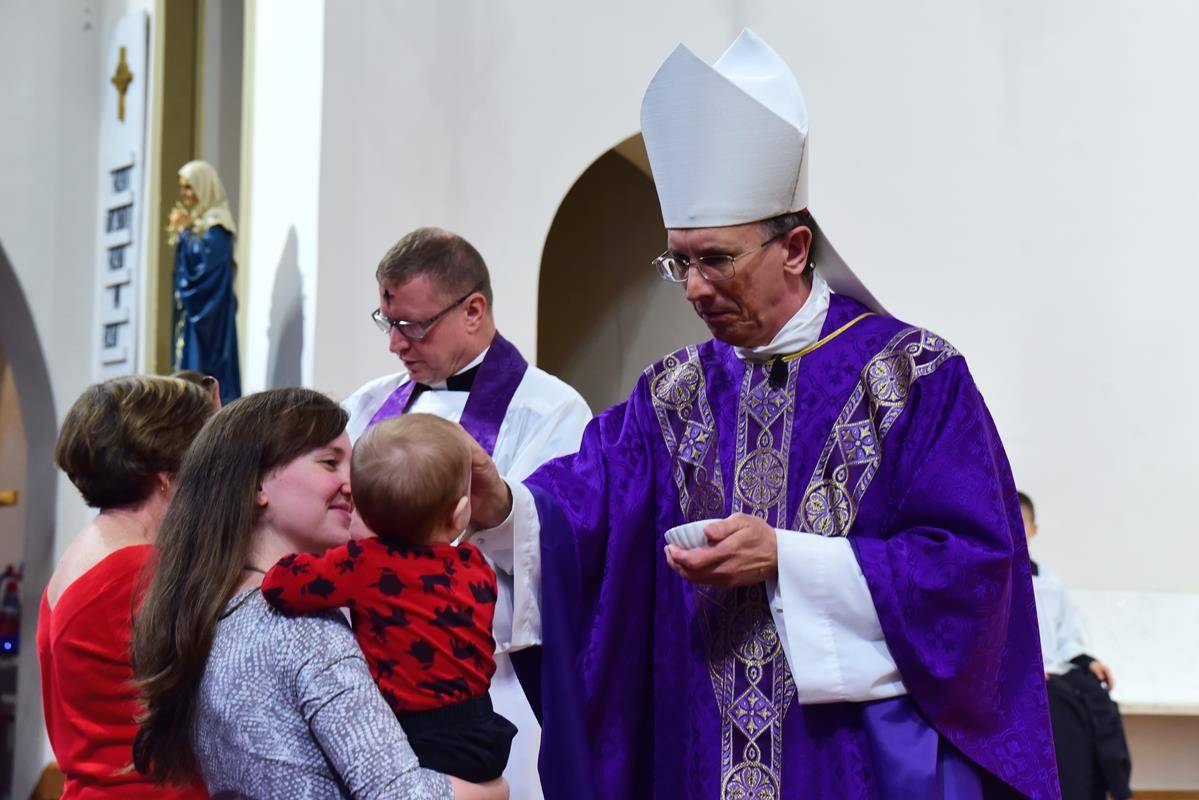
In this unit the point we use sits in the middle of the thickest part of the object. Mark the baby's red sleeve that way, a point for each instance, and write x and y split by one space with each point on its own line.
302 582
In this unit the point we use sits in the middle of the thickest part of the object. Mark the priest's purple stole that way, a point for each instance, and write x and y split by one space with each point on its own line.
655 687
500 374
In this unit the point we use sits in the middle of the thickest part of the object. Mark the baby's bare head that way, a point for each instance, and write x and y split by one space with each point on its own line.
409 475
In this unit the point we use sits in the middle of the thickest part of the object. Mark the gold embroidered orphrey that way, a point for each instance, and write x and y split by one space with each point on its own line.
853 452
750 677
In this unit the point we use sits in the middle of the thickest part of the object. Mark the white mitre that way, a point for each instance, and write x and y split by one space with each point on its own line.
728 144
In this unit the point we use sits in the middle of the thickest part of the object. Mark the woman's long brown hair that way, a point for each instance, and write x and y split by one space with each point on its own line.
203 544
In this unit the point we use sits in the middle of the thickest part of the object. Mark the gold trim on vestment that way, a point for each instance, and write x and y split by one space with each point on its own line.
751 679
826 339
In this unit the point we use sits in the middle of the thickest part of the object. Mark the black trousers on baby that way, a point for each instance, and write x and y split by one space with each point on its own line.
468 740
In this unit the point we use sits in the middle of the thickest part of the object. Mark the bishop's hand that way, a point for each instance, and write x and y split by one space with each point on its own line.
490 497
742 550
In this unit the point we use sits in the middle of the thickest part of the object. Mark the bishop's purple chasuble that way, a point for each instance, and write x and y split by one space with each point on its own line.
652 686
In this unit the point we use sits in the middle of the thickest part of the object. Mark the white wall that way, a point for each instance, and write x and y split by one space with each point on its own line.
47 218
1019 177
282 195
473 116
1151 642
48 210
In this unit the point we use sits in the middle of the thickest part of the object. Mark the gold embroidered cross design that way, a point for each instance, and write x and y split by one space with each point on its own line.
853 452
121 79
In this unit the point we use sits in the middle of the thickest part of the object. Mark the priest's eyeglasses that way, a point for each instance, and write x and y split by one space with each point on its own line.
417 331
674 268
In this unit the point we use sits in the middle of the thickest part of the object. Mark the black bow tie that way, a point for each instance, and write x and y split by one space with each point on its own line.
462 382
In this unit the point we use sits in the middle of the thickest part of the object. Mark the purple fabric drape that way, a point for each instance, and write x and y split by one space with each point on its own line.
653 687
500 374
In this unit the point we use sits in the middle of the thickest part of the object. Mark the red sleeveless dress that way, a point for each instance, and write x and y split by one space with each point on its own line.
87 682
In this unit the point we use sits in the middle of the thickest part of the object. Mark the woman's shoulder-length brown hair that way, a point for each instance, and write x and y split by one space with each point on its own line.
122 432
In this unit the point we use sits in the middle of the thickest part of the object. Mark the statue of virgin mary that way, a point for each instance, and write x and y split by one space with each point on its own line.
202 230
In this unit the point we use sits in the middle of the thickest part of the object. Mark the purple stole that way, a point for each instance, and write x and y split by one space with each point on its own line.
501 372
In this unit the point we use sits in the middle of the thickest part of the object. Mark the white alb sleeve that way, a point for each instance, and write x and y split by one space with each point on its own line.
1071 636
827 622
514 549
547 436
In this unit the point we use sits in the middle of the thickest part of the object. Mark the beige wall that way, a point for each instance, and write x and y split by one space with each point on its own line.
1163 752
283 192
13 457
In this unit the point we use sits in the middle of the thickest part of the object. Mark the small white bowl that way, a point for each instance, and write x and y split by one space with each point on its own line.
690 535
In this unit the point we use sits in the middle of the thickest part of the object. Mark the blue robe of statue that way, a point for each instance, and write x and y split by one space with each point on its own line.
206 308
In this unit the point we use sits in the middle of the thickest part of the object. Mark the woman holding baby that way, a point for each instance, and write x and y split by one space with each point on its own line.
257 703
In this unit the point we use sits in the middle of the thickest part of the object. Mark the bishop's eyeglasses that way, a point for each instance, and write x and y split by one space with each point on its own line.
673 267
417 331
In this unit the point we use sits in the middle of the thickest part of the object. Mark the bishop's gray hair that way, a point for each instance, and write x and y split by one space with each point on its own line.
784 223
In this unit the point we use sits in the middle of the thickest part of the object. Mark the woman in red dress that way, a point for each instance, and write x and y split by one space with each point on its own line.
120 444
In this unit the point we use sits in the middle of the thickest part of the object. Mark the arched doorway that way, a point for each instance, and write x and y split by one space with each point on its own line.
26 366
603 312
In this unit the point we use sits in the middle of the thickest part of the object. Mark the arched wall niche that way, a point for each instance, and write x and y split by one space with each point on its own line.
603 312
36 400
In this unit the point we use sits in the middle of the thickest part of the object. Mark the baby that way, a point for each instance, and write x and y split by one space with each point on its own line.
421 606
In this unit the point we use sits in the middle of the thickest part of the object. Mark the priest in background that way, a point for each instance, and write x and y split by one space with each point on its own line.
858 621
435 305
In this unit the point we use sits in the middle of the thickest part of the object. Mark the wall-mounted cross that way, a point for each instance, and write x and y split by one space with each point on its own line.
121 79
